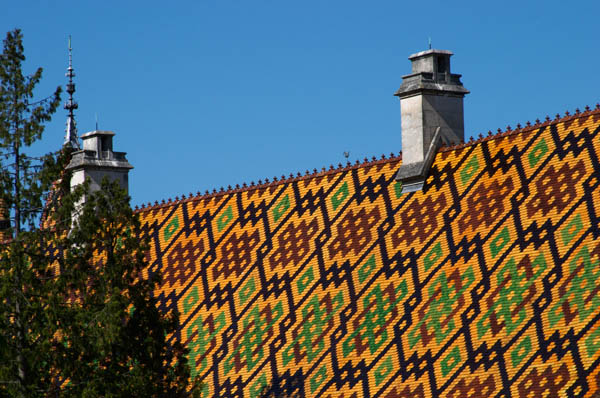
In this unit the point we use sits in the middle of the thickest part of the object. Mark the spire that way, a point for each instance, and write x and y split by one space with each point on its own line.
71 136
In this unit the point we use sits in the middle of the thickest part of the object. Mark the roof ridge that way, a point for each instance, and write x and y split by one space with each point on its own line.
365 163
523 129
266 184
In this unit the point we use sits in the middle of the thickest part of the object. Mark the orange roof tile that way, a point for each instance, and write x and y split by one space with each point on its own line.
485 282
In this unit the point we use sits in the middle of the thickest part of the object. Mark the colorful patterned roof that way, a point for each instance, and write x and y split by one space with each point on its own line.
484 284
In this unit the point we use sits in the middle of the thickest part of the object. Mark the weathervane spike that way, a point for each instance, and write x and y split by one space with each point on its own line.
71 135
430 43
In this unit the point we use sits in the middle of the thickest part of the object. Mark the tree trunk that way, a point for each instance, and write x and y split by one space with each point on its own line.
21 343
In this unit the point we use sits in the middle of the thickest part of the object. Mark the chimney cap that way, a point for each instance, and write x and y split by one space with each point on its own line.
429 52
97 133
431 73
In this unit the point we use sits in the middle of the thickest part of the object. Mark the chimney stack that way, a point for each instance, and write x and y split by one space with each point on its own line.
98 160
431 103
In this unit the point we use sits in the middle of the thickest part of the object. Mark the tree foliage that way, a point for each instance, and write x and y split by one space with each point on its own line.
291 388
112 338
22 287
21 124
77 315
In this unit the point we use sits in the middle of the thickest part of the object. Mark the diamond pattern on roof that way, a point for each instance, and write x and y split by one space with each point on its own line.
485 283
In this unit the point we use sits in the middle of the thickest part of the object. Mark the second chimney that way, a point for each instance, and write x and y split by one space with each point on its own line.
431 102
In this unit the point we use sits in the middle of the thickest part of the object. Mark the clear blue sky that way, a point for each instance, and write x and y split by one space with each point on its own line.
203 94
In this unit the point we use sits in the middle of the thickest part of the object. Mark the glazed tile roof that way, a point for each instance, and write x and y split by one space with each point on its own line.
485 283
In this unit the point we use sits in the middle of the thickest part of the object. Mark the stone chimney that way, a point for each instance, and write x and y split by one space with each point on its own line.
431 103
98 160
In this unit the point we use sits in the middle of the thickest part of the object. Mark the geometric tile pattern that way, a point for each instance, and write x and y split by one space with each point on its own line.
484 284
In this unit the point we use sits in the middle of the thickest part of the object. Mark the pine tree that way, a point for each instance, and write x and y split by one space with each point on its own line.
112 338
77 316
21 187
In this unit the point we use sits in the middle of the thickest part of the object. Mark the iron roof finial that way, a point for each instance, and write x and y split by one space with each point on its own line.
71 131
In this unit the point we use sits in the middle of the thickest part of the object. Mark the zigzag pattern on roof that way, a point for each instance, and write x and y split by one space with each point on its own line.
275 181
366 162
528 127
486 282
